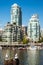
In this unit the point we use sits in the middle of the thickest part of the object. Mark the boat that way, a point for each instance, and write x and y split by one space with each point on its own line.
0 48
22 48
32 46
16 56
6 57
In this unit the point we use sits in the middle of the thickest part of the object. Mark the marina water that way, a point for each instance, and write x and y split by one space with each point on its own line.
26 56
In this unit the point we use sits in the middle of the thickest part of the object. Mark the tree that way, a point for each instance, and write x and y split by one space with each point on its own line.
25 40
41 40
0 38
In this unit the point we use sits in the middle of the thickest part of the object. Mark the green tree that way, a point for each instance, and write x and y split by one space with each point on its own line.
25 40
41 40
0 38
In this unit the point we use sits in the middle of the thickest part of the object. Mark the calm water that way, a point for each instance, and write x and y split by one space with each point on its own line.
26 57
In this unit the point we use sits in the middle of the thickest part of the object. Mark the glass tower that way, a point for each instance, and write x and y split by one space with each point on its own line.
13 31
34 28
16 15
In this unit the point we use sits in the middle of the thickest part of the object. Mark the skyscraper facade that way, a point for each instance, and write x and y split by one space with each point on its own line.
24 30
16 15
16 20
42 33
13 30
34 28
7 34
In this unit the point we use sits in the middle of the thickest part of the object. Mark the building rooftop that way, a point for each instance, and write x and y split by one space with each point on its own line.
15 5
35 16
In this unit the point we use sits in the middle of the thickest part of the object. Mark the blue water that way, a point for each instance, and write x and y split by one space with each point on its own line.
26 57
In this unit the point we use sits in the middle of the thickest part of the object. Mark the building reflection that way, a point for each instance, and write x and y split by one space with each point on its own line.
33 57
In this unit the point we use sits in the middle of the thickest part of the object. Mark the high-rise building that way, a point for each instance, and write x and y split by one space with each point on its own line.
12 33
16 20
24 30
34 28
7 34
13 30
1 32
41 32
16 15
16 33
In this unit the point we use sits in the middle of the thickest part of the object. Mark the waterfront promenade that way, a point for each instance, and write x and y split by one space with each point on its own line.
5 44
15 44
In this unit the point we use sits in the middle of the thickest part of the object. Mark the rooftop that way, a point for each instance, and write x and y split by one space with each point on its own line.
15 5
35 16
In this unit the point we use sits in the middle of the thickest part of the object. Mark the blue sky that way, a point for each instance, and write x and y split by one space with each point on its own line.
28 7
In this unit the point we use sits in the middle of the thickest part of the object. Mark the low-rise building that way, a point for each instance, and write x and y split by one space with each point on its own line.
12 33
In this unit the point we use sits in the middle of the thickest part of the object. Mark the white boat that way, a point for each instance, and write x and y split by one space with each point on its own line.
0 48
16 56
32 47
6 57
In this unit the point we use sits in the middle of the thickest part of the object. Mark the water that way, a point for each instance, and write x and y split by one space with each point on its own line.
26 56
